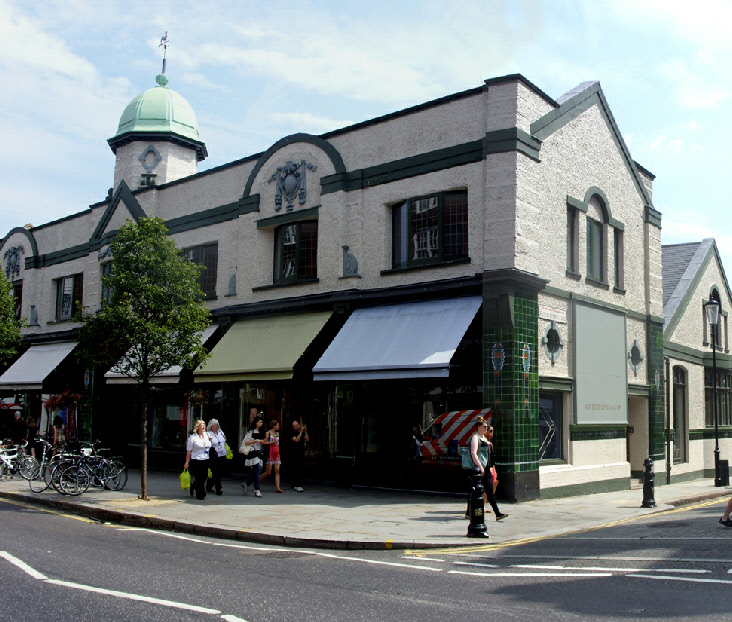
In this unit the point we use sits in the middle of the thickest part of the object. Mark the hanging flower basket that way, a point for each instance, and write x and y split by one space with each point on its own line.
62 400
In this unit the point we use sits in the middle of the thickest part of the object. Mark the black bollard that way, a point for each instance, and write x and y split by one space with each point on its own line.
477 528
648 500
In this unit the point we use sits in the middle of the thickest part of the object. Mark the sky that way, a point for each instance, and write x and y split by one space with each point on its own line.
257 71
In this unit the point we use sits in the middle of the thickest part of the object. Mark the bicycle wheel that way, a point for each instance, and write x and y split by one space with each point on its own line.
26 466
75 479
40 478
119 480
56 475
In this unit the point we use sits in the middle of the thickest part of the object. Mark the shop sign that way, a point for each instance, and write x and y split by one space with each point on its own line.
553 314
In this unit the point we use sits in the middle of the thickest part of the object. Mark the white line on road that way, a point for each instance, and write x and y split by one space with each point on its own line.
689 579
610 558
679 570
126 595
532 574
22 565
138 597
420 558
476 564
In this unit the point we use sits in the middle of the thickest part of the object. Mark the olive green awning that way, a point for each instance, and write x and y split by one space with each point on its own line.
261 348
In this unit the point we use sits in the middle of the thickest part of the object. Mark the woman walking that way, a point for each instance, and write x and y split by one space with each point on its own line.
216 455
59 432
483 461
254 438
197 458
273 461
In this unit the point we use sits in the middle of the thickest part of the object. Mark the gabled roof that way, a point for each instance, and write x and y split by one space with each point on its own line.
574 103
123 194
683 267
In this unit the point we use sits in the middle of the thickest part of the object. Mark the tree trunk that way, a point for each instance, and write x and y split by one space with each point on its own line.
143 441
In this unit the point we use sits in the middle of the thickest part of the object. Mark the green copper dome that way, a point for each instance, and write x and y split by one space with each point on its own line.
159 109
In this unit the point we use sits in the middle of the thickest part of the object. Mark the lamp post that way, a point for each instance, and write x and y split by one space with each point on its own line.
712 310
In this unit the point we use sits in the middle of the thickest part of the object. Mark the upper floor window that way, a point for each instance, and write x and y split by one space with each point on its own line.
17 293
572 236
69 295
206 255
595 251
106 291
430 229
296 252
619 258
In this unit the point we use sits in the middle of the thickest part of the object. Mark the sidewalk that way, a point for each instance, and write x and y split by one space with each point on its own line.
339 518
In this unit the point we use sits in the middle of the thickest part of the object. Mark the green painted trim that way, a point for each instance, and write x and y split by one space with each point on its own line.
511 139
26 233
171 137
317 141
652 216
422 164
405 112
437 264
681 477
596 432
635 315
124 194
707 434
62 256
517 77
282 219
555 384
571 109
588 488
264 288
213 216
577 204
639 390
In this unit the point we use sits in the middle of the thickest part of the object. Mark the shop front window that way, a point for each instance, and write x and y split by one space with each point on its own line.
550 426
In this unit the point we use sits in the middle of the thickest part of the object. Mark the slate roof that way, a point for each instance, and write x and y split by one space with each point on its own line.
680 264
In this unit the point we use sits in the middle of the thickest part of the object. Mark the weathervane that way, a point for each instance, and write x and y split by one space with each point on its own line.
164 43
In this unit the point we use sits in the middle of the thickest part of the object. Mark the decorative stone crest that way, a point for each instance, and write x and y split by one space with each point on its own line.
150 158
291 183
12 255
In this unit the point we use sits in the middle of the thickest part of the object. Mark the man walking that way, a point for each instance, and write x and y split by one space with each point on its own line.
726 520
297 454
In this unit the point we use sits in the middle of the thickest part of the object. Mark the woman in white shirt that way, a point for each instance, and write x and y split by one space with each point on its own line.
216 456
255 438
197 458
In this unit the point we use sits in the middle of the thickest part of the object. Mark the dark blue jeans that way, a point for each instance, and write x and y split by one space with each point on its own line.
254 475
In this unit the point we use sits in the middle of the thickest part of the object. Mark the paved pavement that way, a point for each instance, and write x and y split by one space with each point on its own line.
329 517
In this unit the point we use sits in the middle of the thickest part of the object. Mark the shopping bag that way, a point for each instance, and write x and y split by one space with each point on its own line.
185 480
210 475
229 453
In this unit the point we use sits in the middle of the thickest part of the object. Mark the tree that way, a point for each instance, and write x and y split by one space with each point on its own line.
10 325
154 316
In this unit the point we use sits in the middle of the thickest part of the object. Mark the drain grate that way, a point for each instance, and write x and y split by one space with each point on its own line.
667 525
283 554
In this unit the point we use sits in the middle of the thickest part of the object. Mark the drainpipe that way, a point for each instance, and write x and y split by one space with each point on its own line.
668 419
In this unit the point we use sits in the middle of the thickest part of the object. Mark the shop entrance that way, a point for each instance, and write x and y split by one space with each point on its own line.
637 434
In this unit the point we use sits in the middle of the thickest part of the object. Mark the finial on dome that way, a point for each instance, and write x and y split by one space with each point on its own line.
164 43
162 79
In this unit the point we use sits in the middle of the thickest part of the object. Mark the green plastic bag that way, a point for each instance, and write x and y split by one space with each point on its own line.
229 453
210 475
185 479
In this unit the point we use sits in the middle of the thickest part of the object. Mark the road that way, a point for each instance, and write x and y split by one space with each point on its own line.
675 566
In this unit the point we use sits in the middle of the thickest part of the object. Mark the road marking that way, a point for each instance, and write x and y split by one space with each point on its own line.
679 570
115 593
137 597
532 574
620 558
421 558
502 545
31 506
689 579
22 565
476 564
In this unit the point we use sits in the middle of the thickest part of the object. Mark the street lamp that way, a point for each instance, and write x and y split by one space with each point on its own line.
712 310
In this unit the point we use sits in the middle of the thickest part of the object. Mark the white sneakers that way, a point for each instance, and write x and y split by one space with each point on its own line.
257 493
297 488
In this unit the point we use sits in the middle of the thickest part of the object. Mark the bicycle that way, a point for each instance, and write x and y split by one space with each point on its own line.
13 459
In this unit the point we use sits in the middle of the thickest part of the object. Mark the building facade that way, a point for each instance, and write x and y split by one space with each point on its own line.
492 251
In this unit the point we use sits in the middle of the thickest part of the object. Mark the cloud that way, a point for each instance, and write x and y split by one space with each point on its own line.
309 123
694 89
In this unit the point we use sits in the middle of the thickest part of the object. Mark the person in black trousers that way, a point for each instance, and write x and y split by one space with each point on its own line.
197 458
296 457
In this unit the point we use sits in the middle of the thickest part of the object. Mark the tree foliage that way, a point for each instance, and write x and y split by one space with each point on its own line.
9 325
154 315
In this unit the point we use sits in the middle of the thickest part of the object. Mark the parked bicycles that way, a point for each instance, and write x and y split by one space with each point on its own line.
13 460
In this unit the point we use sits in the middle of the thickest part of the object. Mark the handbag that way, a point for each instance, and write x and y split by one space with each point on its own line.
495 479
185 480
229 453
467 459
244 448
